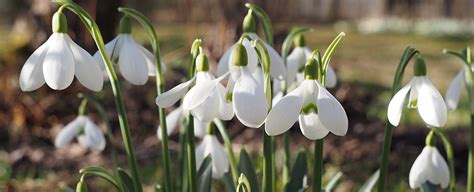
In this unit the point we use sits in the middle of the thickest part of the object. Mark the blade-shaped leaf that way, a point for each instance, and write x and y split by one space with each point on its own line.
246 167
204 175
103 173
333 182
125 178
298 173
228 183
370 183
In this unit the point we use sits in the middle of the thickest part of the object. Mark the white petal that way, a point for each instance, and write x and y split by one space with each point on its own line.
173 120
285 113
220 163
200 128
454 91
111 48
431 106
87 70
249 100
415 89
226 111
331 113
58 66
258 75
277 98
223 65
395 107
200 155
70 131
440 169
170 97
151 62
199 94
312 127
295 60
331 79
252 62
420 169
208 109
132 62
31 75
277 67
95 136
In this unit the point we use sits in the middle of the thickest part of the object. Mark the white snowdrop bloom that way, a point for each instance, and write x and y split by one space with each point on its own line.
453 94
429 166
248 96
88 134
135 62
211 146
423 96
58 60
206 100
173 121
317 111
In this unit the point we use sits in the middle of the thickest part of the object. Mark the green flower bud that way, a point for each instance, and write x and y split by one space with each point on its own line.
202 62
125 25
59 23
239 57
299 41
249 25
81 186
419 68
311 69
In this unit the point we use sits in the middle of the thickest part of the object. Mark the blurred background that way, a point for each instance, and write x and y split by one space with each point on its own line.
377 32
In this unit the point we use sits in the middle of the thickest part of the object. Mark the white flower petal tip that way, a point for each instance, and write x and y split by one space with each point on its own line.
169 98
431 105
132 62
70 131
285 113
211 146
172 122
453 94
249 100
331 113
431 167
312 127
31 75
395 107
58 66
93 137
331 79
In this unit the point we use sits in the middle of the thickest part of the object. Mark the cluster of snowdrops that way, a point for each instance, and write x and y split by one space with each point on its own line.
254 83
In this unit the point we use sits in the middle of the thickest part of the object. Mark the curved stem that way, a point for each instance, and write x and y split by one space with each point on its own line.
268 141
267 24
102 173
387 142
228 144
148 26
450 156
110 137
115 84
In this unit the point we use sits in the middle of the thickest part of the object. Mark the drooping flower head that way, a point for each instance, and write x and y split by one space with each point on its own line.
423 96
88 134
206 100
431 167
58 60
211 146
135 62
453 94
317 111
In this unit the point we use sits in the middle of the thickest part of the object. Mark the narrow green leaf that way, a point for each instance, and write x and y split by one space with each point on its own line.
228 182
330 50
103 173
125 179
265 20
285 48
333 182
298 173
370 183
246 167
204 175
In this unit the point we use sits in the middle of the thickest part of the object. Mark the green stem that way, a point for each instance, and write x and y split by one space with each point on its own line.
387 142
450 156
148 26
318 165
110 137
91 25
228 145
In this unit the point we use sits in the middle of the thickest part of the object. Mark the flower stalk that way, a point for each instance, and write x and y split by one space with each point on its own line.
153 38
93 29
450 156
228 145
409 53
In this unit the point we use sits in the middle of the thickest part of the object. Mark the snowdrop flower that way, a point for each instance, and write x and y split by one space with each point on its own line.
296 60
277 68
88 134
211 146
317 111
206 100
423 96
453 93
429 166
58 60
135 62
248 96
173 121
